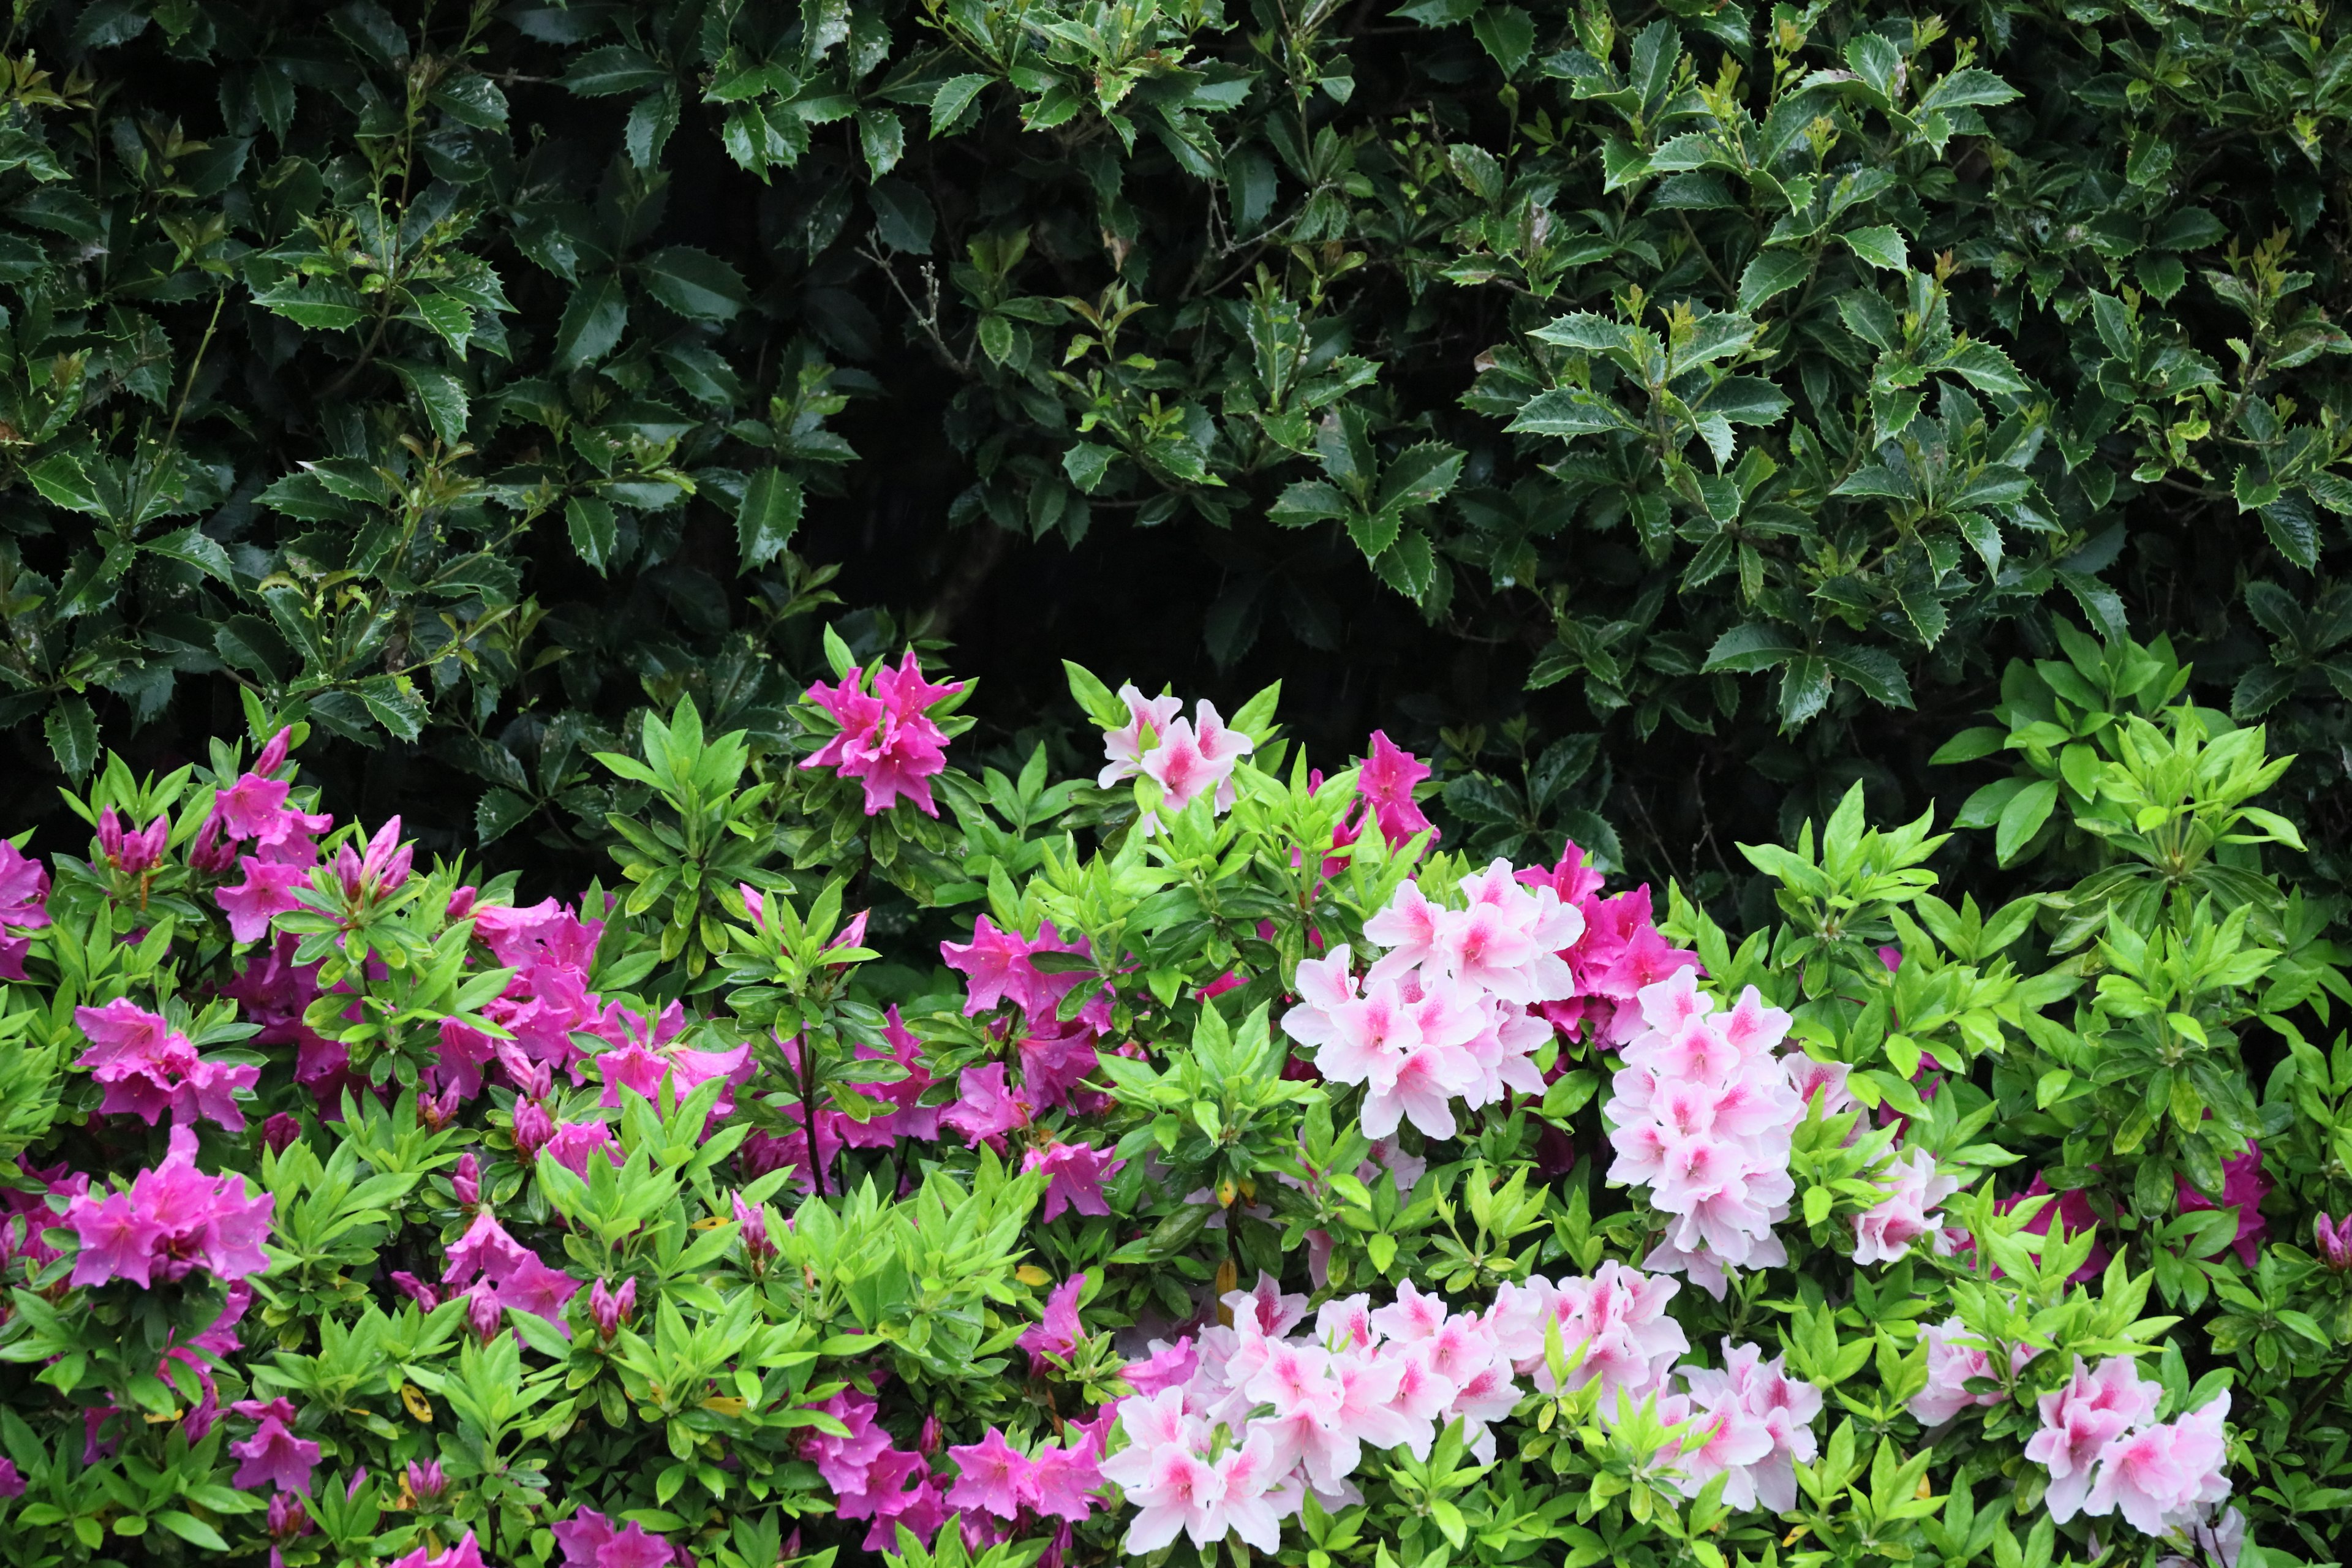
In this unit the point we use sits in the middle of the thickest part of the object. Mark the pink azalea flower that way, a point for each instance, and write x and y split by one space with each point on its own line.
1912 1208
117 1240
1385 783
23 890
2080 1423
844 1460
998 966
188 1220
886 739
467 1553
988 1109
1196 757
994 1475
1952 1364
273 1453
1126 747
590 1541
266 893
1074 1173
1763 1428
2161 1478
576 1141
149 1069
1064 1482
2244 1186
1059 1333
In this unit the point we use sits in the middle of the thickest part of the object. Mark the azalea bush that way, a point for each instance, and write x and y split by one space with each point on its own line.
1196 1159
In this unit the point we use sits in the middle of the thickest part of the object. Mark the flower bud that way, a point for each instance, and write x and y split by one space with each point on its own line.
483 1314
273 755
2335 1242
280 1131
754 1221
439 1110
288 1518
467 1181
359 1479
533 1128
603 1309
425 1482
461 902
211 851
931 1437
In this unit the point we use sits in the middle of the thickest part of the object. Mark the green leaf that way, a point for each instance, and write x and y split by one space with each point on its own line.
593 323
192 1529
1751 649
1771 273
2022 817
60 477
613 69
440 394
954 96
497 814
769 512
1882 246
1569 412
72 733
694 283
595 533
1506 33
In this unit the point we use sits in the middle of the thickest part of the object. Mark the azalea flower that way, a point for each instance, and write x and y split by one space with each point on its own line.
887 739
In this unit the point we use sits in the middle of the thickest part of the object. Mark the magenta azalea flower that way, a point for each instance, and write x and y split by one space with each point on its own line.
150 1069
887 739
273 1453
1058 1334
1386 782
1074 1173
995 1476
182 1218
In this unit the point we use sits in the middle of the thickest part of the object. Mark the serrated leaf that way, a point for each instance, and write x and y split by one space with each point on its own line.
770 513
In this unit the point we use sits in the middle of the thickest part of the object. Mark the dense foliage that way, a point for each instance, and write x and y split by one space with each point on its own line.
1244 1176
1644 413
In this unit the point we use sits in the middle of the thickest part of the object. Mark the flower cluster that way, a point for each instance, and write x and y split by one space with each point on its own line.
149 1068
1187 758
1703 1115
2107 1453
889 740
1443 1014
1233 1428
1621 953
173 1220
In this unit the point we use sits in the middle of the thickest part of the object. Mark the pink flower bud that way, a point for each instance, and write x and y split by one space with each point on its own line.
109 836
425 1482
211 851
359 1479
2335 1242
439 1110
754 1221
482 1312
461 902
287 1517
931 1437
280 1131
347 871
853 934
467 1181
533 1128
385 865
426 1296
273 755
609 1310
